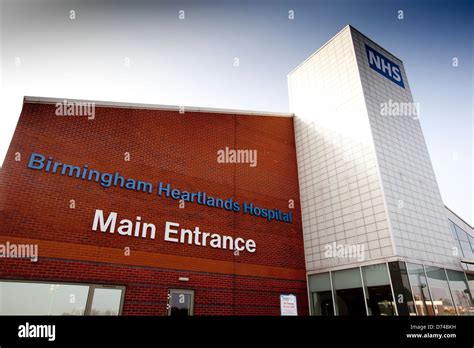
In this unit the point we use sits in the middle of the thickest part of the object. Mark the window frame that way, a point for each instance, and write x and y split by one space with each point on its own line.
90 296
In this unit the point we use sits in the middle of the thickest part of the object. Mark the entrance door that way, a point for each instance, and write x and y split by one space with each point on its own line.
180 302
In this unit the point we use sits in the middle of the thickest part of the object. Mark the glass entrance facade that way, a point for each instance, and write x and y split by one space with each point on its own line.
387 289
378 292
419 288
348 292
321 294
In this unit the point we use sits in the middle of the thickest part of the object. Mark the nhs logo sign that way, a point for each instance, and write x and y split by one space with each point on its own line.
384 66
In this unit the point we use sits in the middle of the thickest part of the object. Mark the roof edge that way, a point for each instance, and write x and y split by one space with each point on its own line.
375 43
460 218
126 105
346 27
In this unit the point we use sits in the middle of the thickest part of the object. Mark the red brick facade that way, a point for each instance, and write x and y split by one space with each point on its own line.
166 146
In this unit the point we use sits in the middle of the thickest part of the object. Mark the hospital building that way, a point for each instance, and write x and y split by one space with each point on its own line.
332 209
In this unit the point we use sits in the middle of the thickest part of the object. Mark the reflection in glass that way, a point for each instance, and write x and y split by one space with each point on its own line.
401 288
27 298
459 249
470 282
419 287
442 301
466 249
106 301
320 294
348 292
462 235
460 291
453 229
378 291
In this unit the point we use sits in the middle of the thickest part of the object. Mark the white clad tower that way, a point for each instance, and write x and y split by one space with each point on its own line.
365 174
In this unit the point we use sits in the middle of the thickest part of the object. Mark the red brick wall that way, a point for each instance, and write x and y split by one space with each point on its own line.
147 288
170 147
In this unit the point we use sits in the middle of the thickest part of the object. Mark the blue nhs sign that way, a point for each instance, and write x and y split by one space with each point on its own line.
384 66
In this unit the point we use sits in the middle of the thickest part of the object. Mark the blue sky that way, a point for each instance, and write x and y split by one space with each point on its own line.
140 51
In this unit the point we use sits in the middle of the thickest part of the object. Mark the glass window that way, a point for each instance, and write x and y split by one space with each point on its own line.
459 252
401 288
453 229
28 298
106 301
460 291
320 294
419 286
470 281
462 235
471 240
466 249
378 291
442 300
348 292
